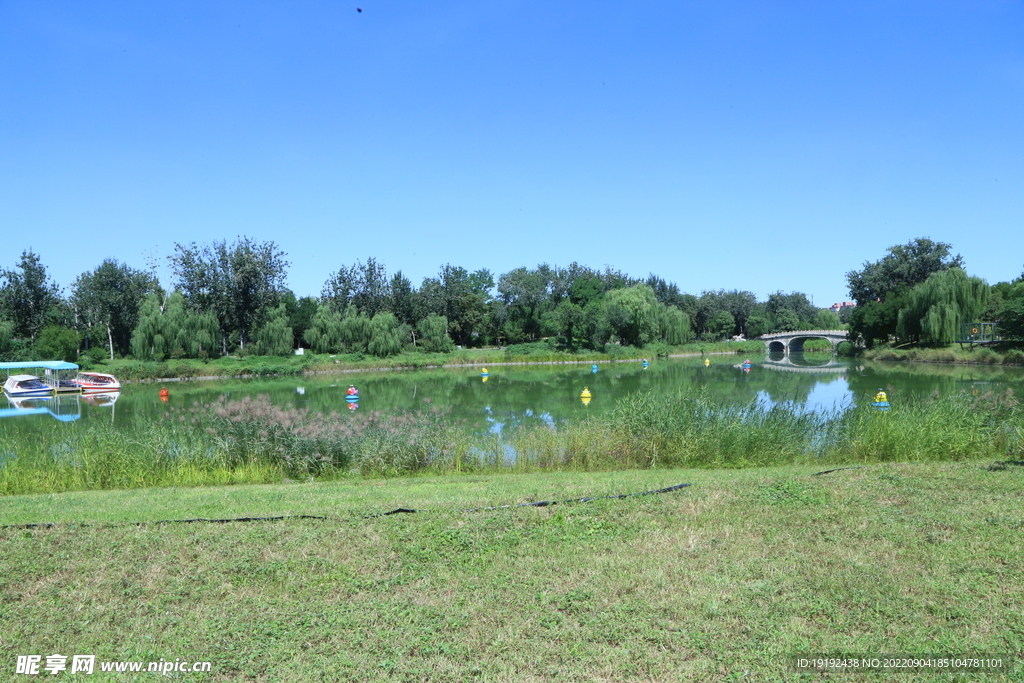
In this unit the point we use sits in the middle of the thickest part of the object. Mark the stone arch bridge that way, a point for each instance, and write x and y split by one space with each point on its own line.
794 341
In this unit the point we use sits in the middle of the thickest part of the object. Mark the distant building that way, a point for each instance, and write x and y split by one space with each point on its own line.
835 308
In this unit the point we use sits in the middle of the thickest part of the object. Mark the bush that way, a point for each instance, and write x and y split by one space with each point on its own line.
1013 357
530 349
984 355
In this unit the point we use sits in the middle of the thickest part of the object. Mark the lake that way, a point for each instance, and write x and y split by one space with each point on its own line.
524 395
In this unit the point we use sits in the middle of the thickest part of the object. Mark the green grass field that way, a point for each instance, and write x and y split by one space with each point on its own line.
721 581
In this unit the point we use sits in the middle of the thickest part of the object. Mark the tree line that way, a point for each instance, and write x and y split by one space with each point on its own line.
920 293
231 298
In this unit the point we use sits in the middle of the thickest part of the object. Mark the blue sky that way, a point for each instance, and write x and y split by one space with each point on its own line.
743 145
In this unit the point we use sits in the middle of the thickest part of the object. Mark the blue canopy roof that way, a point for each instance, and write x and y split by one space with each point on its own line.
48 364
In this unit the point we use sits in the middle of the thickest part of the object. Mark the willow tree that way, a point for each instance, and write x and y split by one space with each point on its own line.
673 325
324 334
936 308
167 328
274 337
387 335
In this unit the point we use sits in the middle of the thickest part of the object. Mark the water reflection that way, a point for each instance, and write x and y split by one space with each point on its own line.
61 407
518 396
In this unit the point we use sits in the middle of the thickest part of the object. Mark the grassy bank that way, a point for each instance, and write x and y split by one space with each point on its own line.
255 441
261 366
996 355
722 581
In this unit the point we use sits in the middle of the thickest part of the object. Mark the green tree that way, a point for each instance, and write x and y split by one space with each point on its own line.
722 324
6 339
567 318
168 328
403 299
27 296
240 282
387 335
355 331
741 305
274 337
936 308
525 292
801 312
1011 317
110 296
148 336
758 324
465 296
876 321
300 315
827 320
324 334
434 337
58 343
632 314
673 325
903 267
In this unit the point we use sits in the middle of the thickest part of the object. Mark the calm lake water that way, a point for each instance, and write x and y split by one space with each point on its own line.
531 395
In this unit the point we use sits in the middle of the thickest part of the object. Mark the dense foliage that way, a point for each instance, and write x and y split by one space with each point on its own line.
230 298
920 294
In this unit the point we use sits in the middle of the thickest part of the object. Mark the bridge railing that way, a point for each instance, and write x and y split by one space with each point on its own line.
804 333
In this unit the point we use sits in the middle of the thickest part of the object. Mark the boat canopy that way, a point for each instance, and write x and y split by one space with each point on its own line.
48 364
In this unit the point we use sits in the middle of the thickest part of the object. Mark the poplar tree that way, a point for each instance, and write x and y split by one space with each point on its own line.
26 295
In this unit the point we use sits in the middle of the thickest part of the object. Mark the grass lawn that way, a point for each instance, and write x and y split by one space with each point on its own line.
721 581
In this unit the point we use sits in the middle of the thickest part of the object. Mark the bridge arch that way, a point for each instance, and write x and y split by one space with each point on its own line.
794 341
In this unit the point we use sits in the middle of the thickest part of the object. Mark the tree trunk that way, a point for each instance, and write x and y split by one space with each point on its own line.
110 340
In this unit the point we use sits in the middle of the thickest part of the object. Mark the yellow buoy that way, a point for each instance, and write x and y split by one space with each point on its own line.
707 362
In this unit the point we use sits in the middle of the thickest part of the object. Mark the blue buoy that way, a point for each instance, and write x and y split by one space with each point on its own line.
593 368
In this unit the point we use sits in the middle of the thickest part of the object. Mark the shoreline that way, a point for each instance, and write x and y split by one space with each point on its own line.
394 368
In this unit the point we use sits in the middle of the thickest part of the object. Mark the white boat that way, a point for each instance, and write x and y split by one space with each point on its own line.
97 381
18 386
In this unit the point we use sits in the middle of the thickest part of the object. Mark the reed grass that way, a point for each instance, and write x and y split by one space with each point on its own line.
254 441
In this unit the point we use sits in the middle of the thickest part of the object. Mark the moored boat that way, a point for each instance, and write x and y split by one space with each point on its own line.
18 386
97 381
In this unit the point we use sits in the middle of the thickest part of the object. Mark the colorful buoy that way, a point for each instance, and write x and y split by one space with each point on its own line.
707 362
593 368
881 400
585 396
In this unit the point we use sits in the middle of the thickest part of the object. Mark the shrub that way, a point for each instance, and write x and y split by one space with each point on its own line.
1013 357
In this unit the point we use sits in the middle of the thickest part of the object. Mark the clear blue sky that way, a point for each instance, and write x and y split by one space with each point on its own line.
742 145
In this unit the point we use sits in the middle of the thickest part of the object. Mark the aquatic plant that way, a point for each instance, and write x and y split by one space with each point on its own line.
253 440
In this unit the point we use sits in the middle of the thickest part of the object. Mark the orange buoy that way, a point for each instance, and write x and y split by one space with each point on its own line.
164 393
